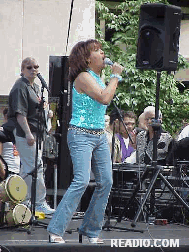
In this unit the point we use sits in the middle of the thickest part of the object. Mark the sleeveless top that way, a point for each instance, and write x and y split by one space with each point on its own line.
87 112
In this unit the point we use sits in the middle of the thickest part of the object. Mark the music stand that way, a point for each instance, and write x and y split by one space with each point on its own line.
156 169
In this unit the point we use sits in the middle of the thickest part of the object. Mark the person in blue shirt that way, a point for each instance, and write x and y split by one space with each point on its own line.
87 141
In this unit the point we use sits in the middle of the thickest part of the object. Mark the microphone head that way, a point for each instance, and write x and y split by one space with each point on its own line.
107 61
39 76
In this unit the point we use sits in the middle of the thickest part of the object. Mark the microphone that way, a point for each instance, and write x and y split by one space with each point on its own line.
44 84
107 61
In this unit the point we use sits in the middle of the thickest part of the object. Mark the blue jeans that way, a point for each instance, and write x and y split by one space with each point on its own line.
85 147
27 156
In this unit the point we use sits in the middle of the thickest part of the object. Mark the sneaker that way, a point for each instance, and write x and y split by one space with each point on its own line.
45 208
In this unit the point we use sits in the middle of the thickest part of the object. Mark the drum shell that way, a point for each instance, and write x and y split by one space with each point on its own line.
3 195
20 215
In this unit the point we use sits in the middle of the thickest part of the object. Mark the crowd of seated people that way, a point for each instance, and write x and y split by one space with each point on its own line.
142 153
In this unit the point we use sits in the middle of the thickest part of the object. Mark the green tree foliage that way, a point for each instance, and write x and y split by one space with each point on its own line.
138 88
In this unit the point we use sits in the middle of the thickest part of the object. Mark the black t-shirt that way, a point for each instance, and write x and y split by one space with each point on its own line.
24 99
6 135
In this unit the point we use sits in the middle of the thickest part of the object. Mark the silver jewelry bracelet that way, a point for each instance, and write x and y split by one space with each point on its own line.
116 76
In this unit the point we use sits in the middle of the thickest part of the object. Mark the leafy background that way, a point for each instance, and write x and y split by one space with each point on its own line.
138 88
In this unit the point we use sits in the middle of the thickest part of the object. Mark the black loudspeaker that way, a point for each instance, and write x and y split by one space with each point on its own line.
158 37
60 87
55 75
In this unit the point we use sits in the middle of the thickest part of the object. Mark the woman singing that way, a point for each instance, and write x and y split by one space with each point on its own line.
87 141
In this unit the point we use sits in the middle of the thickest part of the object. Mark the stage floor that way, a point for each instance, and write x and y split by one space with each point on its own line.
17 239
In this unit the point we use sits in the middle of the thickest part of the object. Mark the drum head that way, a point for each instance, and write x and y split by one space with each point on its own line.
16 188
21 214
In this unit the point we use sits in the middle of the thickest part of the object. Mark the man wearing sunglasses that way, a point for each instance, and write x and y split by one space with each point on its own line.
24 100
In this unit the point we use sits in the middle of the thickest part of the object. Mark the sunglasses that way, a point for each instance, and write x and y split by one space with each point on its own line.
30 67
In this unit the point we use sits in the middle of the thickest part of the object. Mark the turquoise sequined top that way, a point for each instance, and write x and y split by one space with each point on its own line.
87 112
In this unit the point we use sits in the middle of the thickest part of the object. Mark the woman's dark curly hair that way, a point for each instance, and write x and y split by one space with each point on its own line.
78 59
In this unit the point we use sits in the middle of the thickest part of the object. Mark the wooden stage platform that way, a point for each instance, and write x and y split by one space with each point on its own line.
17 239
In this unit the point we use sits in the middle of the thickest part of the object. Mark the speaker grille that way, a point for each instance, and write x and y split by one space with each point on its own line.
158 37
150 47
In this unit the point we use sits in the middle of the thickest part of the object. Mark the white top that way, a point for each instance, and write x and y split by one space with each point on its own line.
12 161
131 159
126 141
184 133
